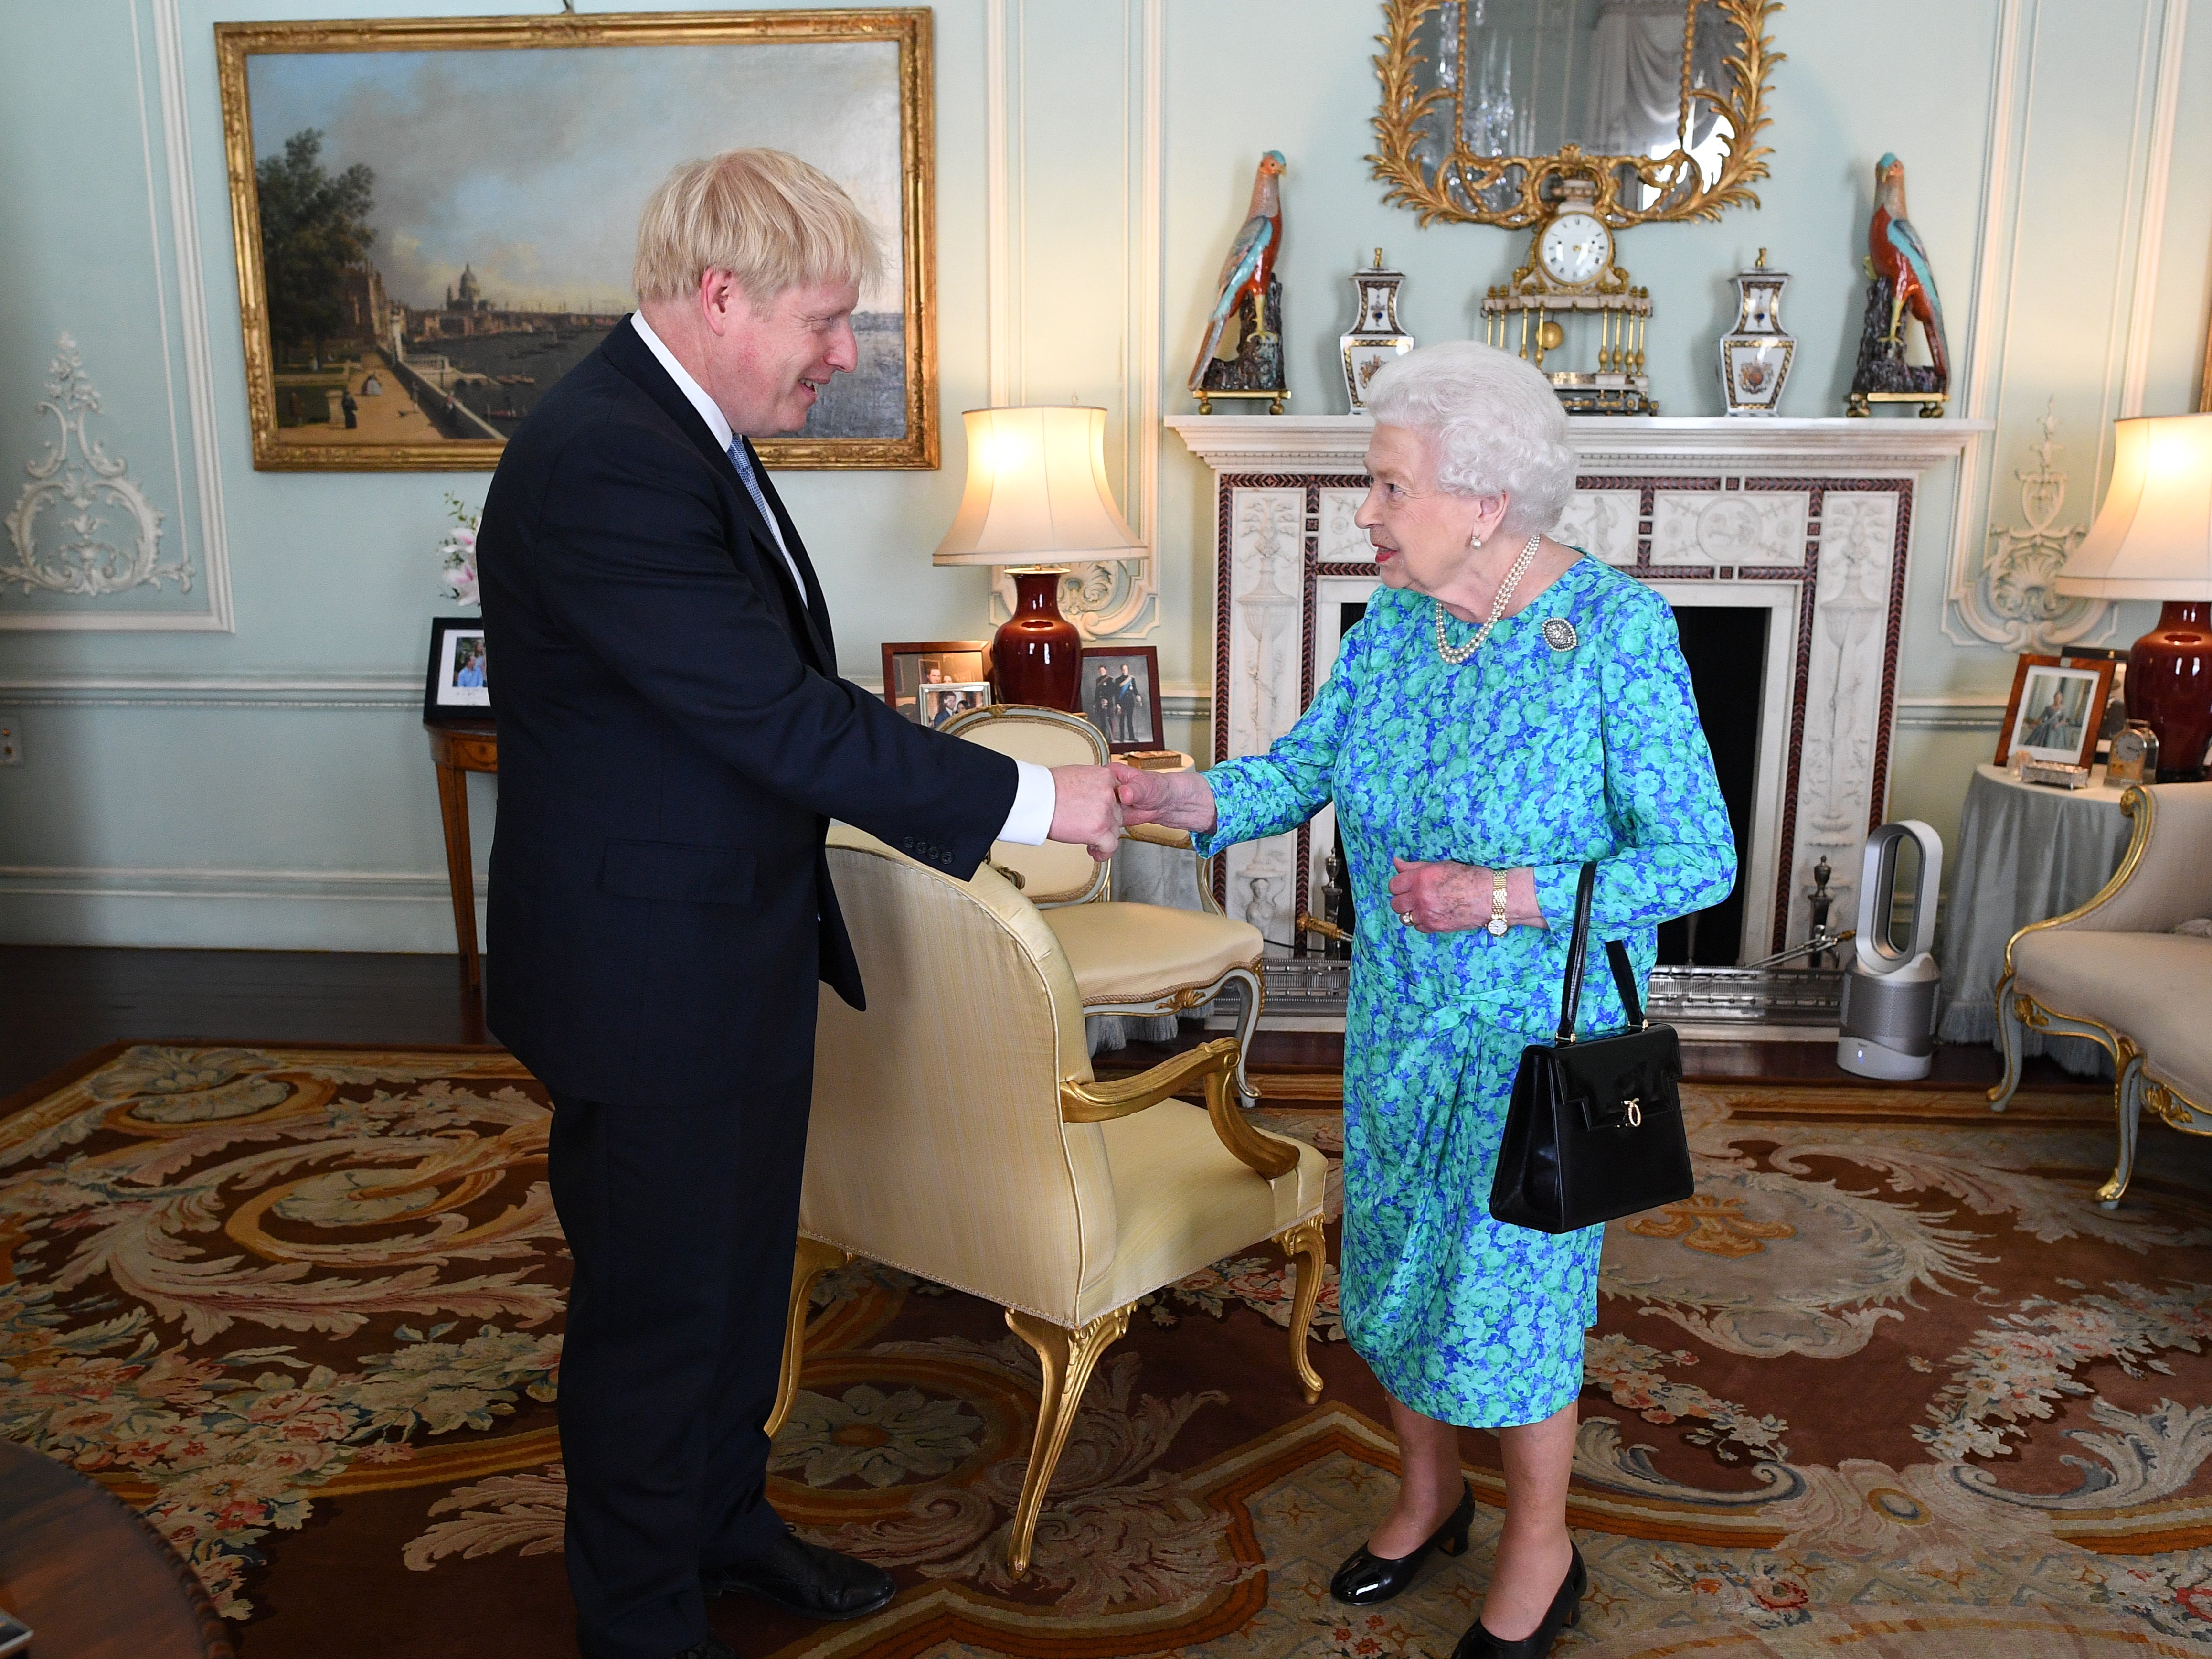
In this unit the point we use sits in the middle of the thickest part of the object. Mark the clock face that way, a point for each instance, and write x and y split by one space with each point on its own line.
1574 248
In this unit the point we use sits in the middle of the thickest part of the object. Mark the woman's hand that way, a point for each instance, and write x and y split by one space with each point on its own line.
1178 800
1441 897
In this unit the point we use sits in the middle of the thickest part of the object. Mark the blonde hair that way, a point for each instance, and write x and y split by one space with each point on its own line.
769 219
1493 422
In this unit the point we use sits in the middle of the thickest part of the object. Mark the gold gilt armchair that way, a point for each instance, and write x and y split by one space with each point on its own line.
1143 960
2117 971
958 1133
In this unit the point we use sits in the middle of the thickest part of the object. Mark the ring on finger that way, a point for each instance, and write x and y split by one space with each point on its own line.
1406 917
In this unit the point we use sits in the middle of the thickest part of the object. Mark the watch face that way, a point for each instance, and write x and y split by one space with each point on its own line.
1574 248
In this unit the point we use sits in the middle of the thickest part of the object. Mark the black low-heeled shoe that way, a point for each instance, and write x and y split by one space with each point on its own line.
1567 1609
1365 1579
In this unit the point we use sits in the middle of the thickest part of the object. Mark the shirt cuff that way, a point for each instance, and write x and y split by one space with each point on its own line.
1035 799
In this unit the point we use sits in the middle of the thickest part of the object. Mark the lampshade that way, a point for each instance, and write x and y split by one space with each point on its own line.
1036 491
2152 537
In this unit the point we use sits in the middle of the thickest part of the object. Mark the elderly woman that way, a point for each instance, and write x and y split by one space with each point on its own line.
1507 710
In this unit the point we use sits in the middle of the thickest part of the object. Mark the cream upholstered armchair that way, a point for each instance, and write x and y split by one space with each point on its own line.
957 1133
2117 971
1127 957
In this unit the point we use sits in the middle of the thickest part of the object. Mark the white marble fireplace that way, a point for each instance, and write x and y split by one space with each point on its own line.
1810 519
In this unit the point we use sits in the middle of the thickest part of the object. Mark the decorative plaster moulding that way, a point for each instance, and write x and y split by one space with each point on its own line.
1809 521
1336 442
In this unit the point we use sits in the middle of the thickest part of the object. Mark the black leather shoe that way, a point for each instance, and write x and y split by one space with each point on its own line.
806 1579
1567 1609
1366 1578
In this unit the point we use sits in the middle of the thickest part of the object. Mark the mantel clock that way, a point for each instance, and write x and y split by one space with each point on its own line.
1572 273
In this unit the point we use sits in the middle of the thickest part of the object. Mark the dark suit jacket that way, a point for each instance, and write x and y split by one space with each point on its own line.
673 741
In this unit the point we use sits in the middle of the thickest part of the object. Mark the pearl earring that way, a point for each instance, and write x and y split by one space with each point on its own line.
1475 544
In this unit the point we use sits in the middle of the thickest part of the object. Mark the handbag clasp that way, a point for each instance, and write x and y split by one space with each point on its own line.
1635 1105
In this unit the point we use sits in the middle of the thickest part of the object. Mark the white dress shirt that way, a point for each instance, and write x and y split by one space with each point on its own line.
1029 823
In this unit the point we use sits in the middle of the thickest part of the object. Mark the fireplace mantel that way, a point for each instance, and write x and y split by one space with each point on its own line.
1809 520
1240 444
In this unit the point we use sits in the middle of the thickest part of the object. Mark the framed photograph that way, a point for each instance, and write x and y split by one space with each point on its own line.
434 217
459 689
909 665
944 703
2057 709
1119 691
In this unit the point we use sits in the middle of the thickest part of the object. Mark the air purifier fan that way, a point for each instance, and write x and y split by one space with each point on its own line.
1888 1021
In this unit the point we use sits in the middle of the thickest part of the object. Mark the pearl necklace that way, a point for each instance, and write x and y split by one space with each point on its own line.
1455 658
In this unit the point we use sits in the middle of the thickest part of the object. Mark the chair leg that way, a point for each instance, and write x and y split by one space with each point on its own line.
2008 1043
1067 1358
2127 1113
813 1260
1251 997
1306 1240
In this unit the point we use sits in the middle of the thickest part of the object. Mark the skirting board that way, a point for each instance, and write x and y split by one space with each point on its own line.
220 909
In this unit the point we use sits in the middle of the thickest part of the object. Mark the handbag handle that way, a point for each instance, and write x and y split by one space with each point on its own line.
1624 981
1571 994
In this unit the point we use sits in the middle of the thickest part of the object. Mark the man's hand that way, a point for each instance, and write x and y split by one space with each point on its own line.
1086 809
1179 800
1441 897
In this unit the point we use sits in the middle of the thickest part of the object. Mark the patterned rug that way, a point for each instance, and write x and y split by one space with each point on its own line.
1889 1382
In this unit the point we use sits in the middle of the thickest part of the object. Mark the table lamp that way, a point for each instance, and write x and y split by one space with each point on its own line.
2152 540
1037 502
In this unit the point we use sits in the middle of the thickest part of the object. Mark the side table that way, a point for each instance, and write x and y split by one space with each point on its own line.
90 1576
2026 851
456 750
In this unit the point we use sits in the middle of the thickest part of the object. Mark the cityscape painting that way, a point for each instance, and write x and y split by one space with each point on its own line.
436 218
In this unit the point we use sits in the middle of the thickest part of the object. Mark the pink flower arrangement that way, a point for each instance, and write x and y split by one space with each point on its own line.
458 554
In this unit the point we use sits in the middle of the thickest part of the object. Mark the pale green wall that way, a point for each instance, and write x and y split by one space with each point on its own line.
268 785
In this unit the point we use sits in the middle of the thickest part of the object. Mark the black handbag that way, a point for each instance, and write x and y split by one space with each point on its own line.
1595 1131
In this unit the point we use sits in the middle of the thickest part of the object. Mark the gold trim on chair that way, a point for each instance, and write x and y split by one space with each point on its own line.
1266 1156
1030 713
2136 803
1067 1358
1309 1239
813 1260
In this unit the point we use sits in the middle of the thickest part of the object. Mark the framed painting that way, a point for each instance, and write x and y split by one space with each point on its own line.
435 217
2057 709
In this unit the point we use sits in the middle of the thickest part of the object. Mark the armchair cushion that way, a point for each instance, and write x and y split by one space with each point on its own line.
2139 983
1182 1202
1125 953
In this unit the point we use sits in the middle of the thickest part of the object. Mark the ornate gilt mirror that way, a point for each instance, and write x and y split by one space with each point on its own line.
1488 104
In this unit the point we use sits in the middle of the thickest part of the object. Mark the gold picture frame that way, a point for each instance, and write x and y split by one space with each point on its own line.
1453 190
443 395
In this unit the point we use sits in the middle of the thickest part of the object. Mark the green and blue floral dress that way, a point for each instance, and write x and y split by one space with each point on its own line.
1537 752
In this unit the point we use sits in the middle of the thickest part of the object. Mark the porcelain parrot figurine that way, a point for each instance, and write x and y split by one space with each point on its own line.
1251 261
1897 254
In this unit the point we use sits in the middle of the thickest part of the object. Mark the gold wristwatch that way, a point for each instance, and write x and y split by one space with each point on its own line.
1497 922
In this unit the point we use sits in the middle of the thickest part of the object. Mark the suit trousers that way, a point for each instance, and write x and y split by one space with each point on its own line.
682 1225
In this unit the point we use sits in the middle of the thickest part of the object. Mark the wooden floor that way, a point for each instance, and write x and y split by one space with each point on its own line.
56 1002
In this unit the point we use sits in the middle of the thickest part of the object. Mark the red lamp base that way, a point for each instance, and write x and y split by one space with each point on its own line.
2170 686
1037 655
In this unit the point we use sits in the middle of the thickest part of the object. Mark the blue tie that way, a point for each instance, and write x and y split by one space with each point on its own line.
744 463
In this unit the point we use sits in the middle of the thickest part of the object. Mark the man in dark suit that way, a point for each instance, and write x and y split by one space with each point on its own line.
674 740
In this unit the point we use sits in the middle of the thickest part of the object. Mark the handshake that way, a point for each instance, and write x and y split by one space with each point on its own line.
1092 805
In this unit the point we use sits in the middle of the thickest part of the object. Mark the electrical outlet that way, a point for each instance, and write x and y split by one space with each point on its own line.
11 740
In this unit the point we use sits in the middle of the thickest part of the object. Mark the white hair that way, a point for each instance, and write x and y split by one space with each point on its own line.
1493 422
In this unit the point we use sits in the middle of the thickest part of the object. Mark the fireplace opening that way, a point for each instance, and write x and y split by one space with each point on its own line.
1726 648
